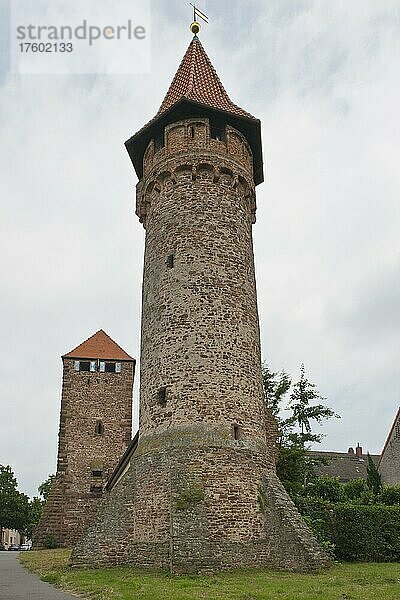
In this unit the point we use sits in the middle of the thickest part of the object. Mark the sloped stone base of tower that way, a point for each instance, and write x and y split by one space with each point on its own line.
65 517
199 509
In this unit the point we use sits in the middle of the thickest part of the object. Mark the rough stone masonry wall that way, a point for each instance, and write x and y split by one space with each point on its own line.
201 492
183 506
200 336
389 466
87 397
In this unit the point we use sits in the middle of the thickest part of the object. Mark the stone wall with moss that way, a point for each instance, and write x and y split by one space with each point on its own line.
192 507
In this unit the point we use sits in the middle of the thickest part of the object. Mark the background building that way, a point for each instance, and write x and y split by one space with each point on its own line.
345 465
389 462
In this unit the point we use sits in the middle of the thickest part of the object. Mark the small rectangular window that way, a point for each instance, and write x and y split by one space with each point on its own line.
118 367
93 365
84 365
170 261
76 365
159 140
102 366
110 367
236 432
97 473
162 396
99 428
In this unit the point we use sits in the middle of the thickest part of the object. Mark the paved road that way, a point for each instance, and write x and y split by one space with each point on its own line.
16 583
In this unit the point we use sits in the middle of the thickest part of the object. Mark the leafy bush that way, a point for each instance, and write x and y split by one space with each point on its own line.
326 488
367 533
355 489
390 495
318 514
354 531
50 542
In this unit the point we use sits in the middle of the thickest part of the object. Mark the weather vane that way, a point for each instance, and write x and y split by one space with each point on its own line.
195 26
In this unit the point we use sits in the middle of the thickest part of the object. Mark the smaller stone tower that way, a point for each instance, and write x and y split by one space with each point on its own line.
95 430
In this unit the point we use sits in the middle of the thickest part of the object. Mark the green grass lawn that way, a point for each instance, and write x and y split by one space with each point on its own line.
356 581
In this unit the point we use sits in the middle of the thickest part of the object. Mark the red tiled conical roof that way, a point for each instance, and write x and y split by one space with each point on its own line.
197 80
99 345
196 90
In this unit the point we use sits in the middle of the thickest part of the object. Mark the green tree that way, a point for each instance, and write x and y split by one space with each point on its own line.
8 497
355 489
374 481
35 512
305 412
295 466
45 487
276 385
14 506
23 513
327 488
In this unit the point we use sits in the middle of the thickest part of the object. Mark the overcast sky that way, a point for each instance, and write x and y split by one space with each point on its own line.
323 77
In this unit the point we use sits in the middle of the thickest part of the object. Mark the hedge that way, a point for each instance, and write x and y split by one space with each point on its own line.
367 533
356 532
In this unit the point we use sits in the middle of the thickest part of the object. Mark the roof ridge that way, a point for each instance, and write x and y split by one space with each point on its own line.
193 64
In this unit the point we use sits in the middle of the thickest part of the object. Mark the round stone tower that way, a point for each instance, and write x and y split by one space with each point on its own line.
198 490
200 354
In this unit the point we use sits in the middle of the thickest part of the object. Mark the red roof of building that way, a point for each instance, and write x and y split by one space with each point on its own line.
197 80
99 345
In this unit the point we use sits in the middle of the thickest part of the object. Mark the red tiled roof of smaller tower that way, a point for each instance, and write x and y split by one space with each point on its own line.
99 345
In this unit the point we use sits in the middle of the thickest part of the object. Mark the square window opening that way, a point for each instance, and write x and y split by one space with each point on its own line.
218 133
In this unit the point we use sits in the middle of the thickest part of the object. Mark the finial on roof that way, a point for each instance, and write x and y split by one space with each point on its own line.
195 26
